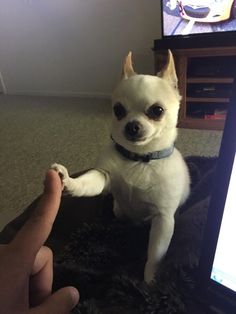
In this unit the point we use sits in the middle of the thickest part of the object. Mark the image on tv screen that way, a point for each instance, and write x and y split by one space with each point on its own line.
186 17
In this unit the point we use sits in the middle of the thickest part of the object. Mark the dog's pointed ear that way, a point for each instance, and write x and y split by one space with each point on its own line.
169 73
128 70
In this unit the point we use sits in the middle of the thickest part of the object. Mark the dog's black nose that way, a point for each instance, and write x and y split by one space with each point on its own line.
132 128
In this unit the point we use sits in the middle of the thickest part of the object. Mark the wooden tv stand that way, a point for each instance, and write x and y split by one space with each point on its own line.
205 81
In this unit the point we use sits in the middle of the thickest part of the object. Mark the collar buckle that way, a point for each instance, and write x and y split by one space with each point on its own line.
146 158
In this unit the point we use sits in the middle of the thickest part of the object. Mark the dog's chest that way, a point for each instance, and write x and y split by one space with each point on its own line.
139 188
136 189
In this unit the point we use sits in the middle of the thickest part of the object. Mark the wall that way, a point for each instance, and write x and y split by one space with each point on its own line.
74 47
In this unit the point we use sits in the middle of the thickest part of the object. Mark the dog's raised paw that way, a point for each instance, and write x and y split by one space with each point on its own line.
62 171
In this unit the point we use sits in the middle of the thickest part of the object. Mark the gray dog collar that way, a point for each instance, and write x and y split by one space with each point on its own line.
144 158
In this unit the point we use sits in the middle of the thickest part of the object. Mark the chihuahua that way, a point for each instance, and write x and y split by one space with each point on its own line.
145 173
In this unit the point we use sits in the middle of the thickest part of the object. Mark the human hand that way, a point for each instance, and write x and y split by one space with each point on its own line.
26 266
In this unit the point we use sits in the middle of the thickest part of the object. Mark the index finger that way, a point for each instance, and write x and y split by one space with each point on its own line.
36 230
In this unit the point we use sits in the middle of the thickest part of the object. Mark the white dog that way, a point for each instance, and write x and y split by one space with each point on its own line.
141 167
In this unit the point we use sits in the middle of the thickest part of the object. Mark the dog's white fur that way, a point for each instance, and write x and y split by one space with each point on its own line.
142 190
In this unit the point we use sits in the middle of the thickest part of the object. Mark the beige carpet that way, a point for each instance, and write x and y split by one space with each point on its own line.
38 131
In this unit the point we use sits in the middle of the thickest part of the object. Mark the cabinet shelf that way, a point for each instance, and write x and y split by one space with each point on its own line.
205 78
206 124
206 100
214 80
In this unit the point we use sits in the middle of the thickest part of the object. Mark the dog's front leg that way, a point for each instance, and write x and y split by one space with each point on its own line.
92 183
162 228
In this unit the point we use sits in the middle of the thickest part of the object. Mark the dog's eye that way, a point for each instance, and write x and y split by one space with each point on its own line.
154 112
119 111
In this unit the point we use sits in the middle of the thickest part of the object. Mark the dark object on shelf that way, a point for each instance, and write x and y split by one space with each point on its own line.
219 66
209 90
207 111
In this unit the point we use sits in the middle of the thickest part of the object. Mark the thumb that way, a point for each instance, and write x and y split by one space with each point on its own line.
61 302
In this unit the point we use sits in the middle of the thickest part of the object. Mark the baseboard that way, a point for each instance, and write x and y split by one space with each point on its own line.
3 89
60 94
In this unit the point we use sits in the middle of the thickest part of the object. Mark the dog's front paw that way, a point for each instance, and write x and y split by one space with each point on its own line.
62 171
64 175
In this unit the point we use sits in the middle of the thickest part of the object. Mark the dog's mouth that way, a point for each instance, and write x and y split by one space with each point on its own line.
136 140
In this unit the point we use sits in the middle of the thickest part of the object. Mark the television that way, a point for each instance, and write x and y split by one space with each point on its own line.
185 18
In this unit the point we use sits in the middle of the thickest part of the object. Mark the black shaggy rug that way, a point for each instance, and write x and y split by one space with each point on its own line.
105 258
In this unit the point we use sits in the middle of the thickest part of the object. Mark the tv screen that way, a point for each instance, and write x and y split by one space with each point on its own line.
187 17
